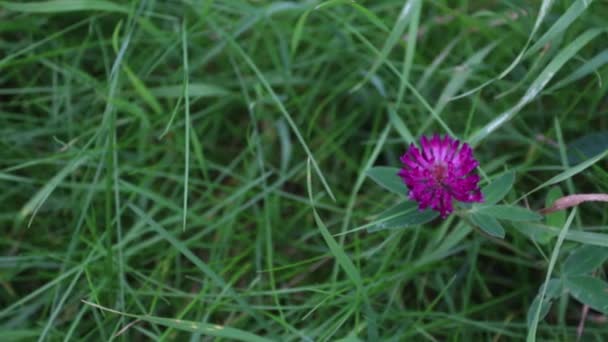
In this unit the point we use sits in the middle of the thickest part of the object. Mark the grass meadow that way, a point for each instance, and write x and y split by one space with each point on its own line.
200 170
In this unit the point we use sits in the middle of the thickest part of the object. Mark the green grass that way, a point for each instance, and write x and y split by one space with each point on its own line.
187 170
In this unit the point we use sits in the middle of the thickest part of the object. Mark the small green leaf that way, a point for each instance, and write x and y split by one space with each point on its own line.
387 178
589 290
402 215
584 260
509 213
553 291
499 188
489 225
557 218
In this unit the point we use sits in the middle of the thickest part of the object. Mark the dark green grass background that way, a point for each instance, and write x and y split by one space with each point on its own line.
100 151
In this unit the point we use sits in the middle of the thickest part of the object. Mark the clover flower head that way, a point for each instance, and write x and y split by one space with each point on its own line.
439 172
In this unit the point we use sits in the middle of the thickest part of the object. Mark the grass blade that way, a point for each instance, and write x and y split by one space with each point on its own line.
60 6
570 172
560 239
538 85
337 251
281 108
187 123
214 330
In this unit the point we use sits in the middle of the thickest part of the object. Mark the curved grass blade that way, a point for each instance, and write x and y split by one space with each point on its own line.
394 36
538 85
542 13
569 172
564 21
214 330
36 202
362 10
554 288
587 68
297 32
279 105
560 239
400 126
335 249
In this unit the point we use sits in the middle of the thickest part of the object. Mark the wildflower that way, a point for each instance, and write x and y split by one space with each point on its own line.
443 171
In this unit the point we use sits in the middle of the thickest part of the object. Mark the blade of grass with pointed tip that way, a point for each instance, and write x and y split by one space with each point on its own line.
408 84
362 10
214 330
186 252
279 105
584 237
459 77
36 202
542 13
338 253
538 85
572 13
297 32
560 239
410 51
400 126
336 250
359 182
585 69
576 169
142 90
187 123
392 39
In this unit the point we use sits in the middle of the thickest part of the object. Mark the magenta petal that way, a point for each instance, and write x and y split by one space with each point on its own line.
441 171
